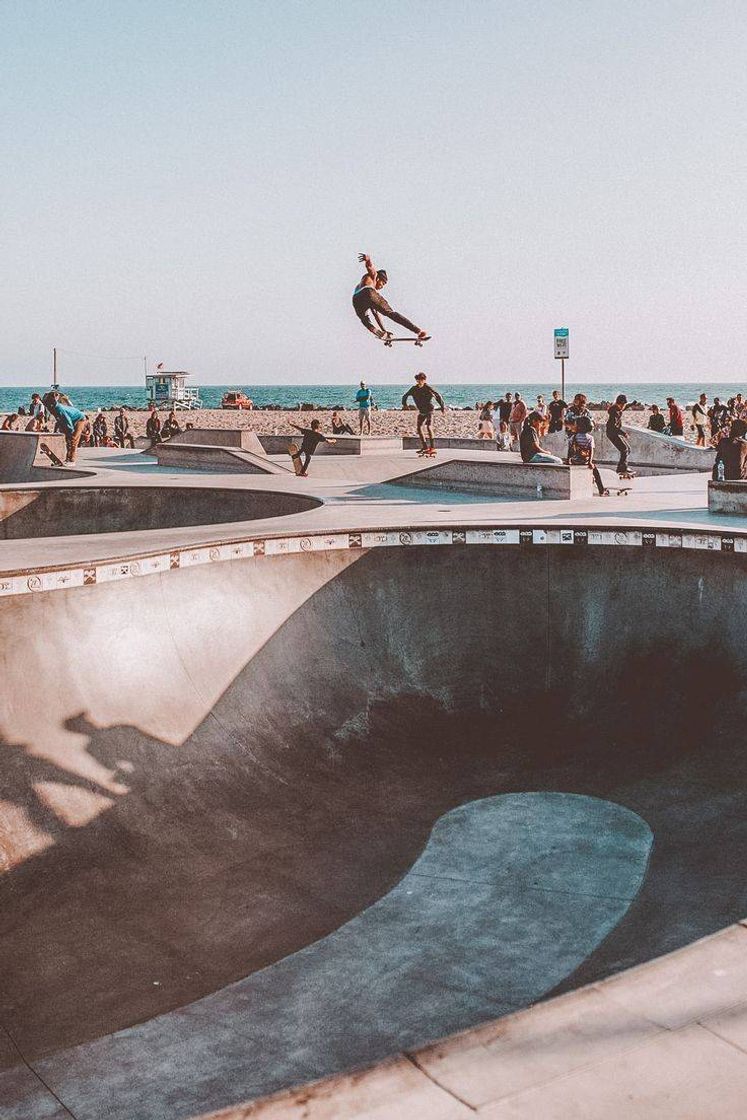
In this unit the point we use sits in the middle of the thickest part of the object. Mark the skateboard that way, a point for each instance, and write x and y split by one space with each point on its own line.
618 491
293 451
51 455
427 453
417 341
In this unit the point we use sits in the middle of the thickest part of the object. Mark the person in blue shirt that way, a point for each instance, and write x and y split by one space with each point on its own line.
364 400
70 419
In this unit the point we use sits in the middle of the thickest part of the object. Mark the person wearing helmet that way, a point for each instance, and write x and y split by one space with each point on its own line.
368 300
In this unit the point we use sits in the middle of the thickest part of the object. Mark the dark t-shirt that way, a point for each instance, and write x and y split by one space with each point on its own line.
733 454
556 409
424 396
614 418
657 423
504 410
311 440
529 443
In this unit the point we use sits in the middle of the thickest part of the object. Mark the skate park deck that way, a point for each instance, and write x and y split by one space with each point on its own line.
374 773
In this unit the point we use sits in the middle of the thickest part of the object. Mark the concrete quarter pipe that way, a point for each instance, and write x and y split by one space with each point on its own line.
274 818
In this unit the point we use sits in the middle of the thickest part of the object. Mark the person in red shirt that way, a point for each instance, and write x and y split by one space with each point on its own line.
676 418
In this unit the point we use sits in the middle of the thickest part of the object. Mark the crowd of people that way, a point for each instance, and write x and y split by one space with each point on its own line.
55 413
514 426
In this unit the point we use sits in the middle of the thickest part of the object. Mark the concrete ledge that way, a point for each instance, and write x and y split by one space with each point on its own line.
512 479
346 445
223 460
727 497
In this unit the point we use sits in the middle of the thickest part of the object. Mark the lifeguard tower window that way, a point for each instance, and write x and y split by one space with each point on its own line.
170 390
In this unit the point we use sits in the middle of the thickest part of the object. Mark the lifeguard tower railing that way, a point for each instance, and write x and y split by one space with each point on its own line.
170 390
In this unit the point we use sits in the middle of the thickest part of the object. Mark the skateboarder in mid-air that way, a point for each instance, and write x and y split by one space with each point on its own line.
424 395
312 437
367 298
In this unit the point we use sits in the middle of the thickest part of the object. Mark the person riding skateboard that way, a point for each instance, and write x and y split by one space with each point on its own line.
312 437
424 395
367 298
616 435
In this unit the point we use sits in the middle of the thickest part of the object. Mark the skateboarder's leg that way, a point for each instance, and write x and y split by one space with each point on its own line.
429 429
383 308
619 441
422 419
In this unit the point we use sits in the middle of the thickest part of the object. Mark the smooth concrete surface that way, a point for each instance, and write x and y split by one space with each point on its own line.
504 478
70 511
196 853
650 452
728 497
586 1054
221 460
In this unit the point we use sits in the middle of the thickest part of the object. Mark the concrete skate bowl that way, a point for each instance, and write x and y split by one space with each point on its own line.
320 808
77 510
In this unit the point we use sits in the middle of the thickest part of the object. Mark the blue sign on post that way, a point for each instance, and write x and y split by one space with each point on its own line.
562 341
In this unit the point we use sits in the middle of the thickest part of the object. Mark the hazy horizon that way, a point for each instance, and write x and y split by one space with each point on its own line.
193 182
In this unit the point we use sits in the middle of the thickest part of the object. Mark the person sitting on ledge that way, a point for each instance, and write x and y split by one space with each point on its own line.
732 453
656 421
530 447
9 422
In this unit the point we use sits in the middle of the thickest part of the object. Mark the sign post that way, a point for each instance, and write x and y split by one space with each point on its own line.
562 351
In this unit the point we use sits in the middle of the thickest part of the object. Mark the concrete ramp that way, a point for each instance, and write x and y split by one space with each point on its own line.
220 437
500 477
220 460
650 453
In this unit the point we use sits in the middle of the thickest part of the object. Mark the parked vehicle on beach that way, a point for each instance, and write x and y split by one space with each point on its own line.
237 400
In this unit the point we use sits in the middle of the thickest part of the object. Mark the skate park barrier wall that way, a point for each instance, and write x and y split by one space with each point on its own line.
509 479
650 452
727 497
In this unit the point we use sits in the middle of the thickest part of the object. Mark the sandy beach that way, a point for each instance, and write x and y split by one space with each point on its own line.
387 422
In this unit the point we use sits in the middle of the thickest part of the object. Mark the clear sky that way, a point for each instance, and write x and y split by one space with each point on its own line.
193 181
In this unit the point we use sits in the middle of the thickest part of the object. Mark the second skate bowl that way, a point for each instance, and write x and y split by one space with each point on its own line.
320 808
71 510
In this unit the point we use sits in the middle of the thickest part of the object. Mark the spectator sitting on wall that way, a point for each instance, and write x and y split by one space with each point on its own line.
153 428
37 414
656 421
171 427
9 422
503 437
122 434
530 447
732 453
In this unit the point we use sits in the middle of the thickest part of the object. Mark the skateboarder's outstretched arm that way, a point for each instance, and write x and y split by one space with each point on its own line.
366 260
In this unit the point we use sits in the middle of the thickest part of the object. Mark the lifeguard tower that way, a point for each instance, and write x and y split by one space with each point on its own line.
169 389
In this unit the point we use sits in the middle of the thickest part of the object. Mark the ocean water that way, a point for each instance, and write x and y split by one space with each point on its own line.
456 395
